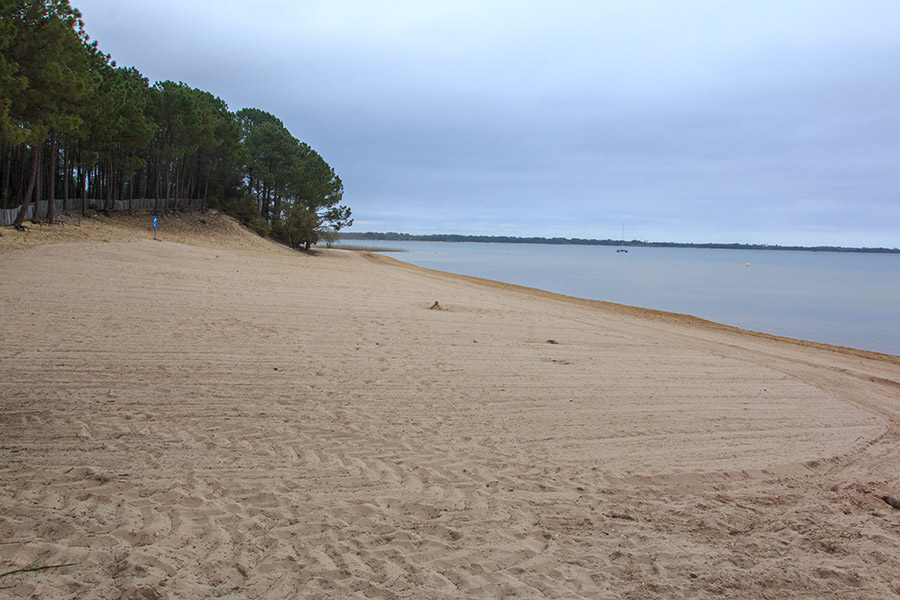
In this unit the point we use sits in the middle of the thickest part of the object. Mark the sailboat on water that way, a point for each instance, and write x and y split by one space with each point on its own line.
622 250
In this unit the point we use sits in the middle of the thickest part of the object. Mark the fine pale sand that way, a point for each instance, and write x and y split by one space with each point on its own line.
211 415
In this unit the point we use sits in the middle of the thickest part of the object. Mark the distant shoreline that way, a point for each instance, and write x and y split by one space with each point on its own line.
495 239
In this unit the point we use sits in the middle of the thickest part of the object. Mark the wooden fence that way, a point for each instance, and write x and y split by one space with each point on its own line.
8 215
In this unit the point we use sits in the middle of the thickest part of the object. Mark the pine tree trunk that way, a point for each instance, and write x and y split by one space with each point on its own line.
205 196
134 179
51 192
168 186
156 191
66 163
189 196
83 175
120 191
110 184
35 154
92 183
4 186
39 188
179 185
23 166
179 181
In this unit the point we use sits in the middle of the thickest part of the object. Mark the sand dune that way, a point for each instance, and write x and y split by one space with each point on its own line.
229 419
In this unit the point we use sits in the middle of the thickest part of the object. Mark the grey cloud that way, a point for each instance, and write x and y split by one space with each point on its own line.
706 120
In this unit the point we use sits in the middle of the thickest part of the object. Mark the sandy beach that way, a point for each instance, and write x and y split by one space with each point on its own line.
209 415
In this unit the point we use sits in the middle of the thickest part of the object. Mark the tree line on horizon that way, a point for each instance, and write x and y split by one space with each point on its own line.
76 126
392 236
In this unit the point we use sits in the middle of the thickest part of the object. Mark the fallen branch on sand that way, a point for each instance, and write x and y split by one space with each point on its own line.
892 501
32 569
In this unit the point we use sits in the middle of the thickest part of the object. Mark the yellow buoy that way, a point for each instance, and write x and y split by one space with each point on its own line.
748 264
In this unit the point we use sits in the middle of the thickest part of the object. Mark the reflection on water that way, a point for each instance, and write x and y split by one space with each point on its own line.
847 299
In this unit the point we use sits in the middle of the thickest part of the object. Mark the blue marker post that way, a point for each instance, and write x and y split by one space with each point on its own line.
155 225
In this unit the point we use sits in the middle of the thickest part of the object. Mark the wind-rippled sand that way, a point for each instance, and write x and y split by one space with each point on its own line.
224 418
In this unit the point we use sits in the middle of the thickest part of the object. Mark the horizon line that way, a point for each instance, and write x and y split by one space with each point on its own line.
558 240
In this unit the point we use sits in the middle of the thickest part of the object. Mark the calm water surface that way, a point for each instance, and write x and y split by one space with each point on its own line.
846 299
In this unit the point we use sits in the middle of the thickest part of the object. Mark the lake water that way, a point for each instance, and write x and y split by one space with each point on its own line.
847 299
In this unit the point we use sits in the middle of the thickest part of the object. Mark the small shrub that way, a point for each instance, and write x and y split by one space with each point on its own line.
329 236
259 225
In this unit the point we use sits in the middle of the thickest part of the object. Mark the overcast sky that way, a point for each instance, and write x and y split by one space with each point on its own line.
760 121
